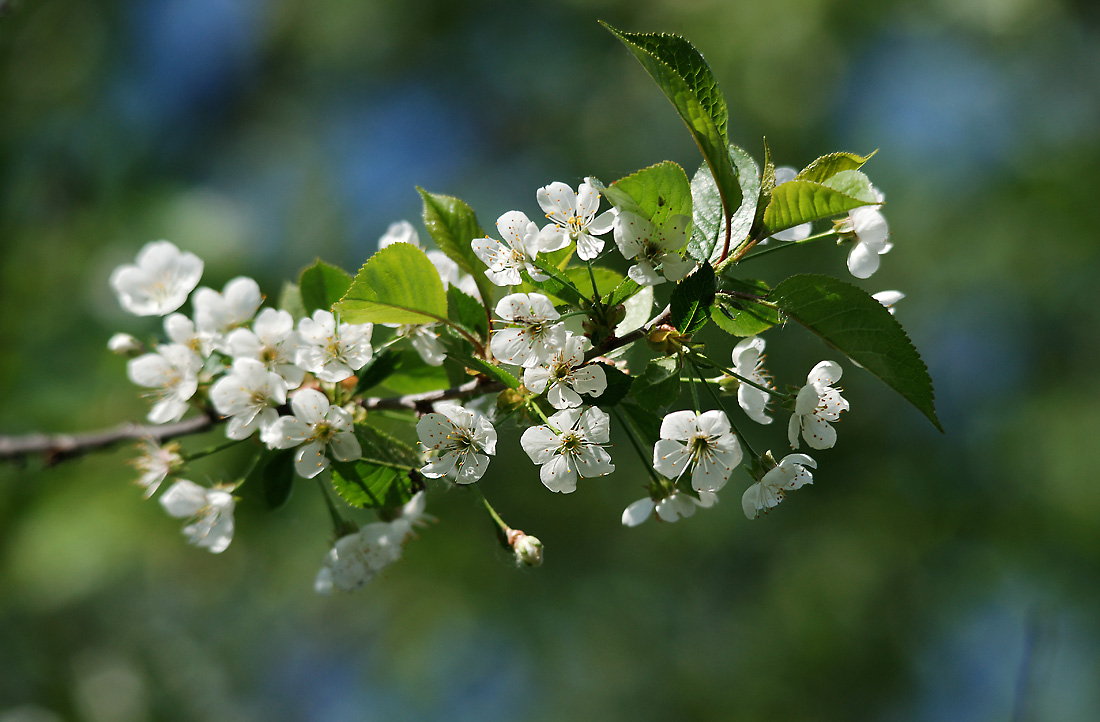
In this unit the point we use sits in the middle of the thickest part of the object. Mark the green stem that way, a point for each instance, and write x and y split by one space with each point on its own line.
647 462
595 288
535 407
742 379
780 245
489 507
694 391
338 523
722 406
212 450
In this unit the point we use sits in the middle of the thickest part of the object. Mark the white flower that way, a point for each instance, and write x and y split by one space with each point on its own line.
783 174
316 427
459 443
517 252
573 218
566 375
124 344
532 336
816 406
748 361
412 515
159 282
867 227
673 507
888 299
172 374
569 447
425 340
156 463
333 354
249 395
400 232
218 313
791 474
653 248
355 559
210 509
449 272
180 329
272 341
705 442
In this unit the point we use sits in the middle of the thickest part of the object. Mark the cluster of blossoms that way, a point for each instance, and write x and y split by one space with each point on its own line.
292 382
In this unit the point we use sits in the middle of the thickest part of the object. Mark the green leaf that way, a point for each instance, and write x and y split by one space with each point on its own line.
381 366
801 201
494 372
380 479
606 280
290 300
708 227
829 165
452 225
622 292
413 376
854 323
767 191
467 312
686 79
558 285
369 486
646 422
322 285
273 475
659 386
618 386
692 299
398 284
654 193
742 316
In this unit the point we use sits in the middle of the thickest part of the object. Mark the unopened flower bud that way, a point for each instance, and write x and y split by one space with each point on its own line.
511 399
124 344
729 384
665 339
528 549
616 315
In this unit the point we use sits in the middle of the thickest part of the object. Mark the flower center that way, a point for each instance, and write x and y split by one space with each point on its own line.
570 443
324 431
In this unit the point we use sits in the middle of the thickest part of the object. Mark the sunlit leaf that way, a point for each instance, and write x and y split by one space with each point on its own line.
853 322
398 284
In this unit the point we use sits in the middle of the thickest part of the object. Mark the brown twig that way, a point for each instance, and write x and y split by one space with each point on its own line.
59 447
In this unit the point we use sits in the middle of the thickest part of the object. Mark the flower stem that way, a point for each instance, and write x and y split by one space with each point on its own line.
694 391
722 406
742 379
339 526
646 461
595 288
789 244
489 507
210 451
538 412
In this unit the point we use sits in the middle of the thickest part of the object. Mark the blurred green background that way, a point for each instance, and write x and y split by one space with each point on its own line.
922 576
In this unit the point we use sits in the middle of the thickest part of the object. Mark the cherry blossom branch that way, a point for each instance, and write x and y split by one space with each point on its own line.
60 447
619 341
